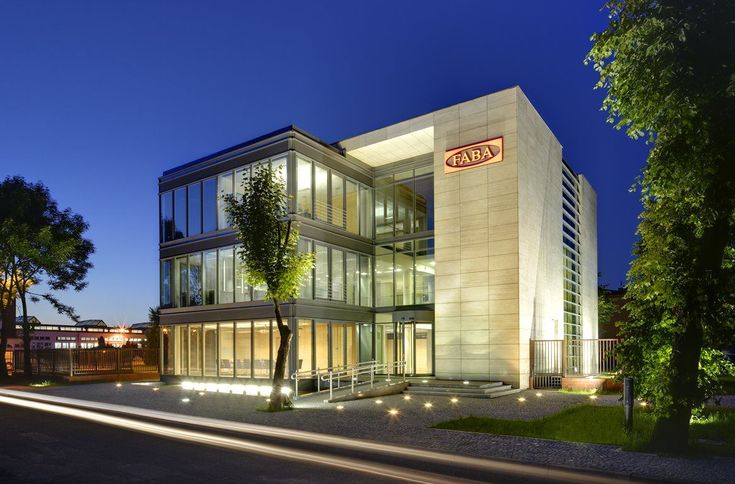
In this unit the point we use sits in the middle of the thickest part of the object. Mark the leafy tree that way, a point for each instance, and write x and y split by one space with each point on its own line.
153 334
42 244
605 307
668 69
269 253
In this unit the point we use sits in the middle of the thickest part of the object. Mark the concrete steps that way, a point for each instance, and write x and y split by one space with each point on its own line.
449 388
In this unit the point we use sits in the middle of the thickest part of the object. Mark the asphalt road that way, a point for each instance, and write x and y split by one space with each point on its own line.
60 440
40 447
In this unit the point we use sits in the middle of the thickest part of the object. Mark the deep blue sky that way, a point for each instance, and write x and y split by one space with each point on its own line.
98 98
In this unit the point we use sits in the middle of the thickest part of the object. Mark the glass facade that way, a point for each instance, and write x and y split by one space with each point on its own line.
200 207
398 211
572 270
247 349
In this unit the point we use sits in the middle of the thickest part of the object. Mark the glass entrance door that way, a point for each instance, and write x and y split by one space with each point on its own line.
409 341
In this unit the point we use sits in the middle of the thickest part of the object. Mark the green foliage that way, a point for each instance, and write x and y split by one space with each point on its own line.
269 237
270 254
40 243
153 334
667 67
605 307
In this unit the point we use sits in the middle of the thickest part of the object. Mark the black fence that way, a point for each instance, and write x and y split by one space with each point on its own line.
78 362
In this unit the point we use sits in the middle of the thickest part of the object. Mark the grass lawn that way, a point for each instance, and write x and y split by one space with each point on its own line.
604 425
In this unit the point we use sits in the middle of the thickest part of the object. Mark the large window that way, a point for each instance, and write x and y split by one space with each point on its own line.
338 275
210 350
242 288
167 216
321 271
210 277
305 353
303 188
404 273
261 349
366 281
321 193
195 350
180 213
424 271
321 348
195 209
224 188
166 289
226 349
338 207
195 280
352 212
182 281
226 276
307 288
209 205
384 276
243 349
352 278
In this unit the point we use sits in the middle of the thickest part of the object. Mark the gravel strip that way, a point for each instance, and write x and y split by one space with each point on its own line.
412 426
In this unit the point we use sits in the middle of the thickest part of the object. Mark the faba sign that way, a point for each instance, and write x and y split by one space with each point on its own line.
478 154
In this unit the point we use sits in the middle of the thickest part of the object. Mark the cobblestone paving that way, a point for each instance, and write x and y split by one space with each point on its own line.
368 419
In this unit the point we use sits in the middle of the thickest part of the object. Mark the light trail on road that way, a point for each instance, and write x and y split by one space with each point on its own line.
495 466
382 470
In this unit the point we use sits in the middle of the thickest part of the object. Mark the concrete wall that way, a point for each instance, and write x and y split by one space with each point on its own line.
588 234
540 230
476 230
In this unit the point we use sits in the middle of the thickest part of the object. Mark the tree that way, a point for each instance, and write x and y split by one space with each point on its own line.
667 67
42 244
153 334
269 253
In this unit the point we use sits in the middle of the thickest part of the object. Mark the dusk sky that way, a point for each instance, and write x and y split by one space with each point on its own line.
98 99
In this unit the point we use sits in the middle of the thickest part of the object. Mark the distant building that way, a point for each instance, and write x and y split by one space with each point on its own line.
91 323
143 326
85 334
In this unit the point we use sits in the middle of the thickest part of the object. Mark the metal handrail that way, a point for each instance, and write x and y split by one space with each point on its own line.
338 373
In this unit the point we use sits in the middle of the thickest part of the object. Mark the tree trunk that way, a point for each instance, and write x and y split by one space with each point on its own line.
27 366
4 331
671 432
278 400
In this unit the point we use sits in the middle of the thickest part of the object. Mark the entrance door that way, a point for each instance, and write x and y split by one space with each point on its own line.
407 341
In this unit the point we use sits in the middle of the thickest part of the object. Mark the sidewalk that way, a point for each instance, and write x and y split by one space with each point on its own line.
412 426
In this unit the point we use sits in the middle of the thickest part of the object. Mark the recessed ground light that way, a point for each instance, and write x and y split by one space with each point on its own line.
643 404
185 400
539 394
428 405
454 399
393 411
340 407
424 381
118 385
465 382
378 402
593 397
521 399
407 397
201 394
155 389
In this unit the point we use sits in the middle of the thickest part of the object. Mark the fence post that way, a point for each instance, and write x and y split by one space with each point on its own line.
330 385
53 362
296 386
564 350
352 382
372 374
71 363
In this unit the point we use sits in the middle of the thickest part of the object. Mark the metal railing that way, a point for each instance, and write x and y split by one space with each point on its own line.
97 361
553 359
353 373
